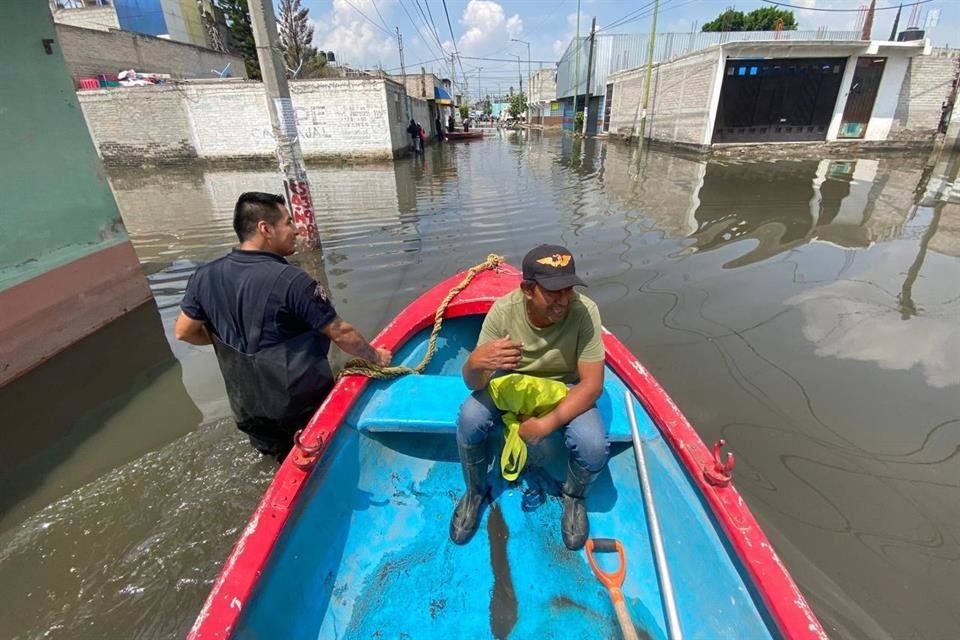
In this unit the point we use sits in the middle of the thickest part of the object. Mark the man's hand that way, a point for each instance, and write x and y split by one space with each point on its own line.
502 354
384 356
533 430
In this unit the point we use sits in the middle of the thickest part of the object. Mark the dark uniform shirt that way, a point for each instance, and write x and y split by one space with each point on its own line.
227 294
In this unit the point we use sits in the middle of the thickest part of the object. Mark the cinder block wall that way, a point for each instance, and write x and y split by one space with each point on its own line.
357 119
89 52
101 18
681 95
926 87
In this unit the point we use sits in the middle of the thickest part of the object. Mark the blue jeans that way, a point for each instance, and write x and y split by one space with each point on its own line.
585 435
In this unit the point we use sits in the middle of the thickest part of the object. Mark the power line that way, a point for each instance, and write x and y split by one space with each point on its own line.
431 27
453 38
416 28
377 9
624 19
800 8
368 19
503 60
432 23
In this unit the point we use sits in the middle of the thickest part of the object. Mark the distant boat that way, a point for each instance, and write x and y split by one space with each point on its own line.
357 546
453 136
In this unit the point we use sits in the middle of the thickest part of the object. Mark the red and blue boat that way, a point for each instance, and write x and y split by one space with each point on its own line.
350 539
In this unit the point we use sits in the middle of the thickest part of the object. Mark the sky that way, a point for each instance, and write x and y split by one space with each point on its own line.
362 33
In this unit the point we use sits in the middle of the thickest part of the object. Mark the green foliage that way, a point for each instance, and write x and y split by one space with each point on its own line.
518 105
296 34
578 121
763 19
464 111
487 108
241 35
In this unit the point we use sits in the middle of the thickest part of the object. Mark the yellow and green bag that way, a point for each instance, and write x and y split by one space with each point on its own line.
521 395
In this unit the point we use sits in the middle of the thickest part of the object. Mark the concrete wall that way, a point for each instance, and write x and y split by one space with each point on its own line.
418 85
66 264
89 52
100 18
682 95
358 118
926 86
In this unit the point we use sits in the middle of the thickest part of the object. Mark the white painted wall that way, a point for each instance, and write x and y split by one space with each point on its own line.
888 95
336 119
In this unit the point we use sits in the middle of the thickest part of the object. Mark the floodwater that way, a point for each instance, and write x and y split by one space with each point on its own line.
806 311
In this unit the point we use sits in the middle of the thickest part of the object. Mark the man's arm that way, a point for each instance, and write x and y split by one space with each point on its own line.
579 399
346 336
503 354
192 331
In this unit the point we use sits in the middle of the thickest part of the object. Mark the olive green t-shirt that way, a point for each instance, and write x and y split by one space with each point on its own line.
554 351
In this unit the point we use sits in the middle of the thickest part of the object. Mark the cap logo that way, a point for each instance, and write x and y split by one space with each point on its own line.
556 261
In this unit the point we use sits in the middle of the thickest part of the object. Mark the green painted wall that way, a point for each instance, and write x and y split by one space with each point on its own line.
55 203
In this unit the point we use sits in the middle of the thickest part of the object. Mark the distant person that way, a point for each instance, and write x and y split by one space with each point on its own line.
451 124
422 135
544 329
439 124
466 125
413 130
270 325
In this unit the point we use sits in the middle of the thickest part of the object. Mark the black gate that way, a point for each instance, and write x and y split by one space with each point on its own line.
766 100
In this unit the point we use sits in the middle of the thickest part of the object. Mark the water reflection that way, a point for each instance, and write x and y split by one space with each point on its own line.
804 310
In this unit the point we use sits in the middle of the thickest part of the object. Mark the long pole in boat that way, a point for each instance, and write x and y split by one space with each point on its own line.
663 571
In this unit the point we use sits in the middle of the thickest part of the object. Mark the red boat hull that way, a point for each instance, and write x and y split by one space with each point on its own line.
232 589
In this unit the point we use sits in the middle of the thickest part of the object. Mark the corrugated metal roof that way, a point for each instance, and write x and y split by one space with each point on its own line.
616 52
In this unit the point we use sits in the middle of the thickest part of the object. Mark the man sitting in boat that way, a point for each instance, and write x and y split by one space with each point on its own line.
270 325
543 329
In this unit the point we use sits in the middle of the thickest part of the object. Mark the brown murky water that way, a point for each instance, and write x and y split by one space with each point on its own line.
806 311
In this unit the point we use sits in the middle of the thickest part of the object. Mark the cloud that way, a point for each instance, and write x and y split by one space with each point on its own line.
486 26
351 36
845 319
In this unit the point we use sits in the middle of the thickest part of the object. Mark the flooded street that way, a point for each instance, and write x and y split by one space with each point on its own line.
806 311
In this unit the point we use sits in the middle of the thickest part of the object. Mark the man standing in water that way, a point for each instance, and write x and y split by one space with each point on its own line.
270 325
543 329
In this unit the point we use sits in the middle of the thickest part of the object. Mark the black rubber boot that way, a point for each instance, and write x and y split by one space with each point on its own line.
466 517
573 523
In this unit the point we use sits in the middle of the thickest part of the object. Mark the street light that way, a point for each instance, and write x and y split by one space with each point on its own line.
528 76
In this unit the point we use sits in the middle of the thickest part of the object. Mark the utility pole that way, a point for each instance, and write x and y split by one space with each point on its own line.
586 96
529 78
646 80
576 75
283 120
403 70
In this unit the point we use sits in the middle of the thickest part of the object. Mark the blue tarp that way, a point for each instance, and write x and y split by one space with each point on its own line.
441 96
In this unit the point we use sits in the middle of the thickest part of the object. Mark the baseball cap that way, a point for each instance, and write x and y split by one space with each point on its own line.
552 267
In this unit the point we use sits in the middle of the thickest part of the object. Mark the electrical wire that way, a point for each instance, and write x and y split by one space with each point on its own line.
825 10
392 36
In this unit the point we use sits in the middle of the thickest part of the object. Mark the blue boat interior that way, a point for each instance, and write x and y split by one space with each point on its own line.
366 552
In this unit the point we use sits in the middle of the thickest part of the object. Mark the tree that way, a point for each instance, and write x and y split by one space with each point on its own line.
518 105
763 19
464 111
241 35
296 34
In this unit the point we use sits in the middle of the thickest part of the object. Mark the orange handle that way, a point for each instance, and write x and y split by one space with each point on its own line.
612 580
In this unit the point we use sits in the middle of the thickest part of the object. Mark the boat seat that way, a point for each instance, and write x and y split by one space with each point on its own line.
430 403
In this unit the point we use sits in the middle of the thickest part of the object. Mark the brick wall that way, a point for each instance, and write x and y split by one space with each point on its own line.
89 52
100 18
139 123
927 85
358 118
681 94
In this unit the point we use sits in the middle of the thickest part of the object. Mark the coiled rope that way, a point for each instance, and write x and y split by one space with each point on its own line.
361 367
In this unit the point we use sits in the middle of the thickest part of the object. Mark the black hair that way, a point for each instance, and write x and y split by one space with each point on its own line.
527 285
251 208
